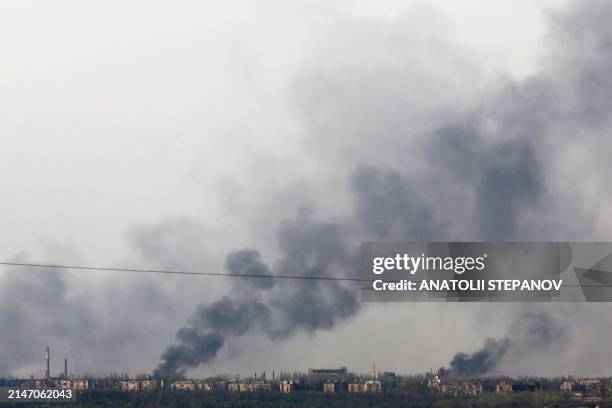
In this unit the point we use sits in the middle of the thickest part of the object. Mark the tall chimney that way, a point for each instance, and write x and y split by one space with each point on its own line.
65 368
47 370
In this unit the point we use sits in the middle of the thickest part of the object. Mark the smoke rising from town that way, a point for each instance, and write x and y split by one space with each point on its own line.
495 163
397 139
274 307
531 333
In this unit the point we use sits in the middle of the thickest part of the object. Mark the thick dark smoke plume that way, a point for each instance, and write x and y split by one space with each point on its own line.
527 160
38 308
480 362
486 175
532 332
34 302
275 308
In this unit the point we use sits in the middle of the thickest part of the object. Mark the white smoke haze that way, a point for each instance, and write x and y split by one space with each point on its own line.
199 145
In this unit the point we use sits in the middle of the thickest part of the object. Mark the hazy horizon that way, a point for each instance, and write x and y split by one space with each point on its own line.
144 135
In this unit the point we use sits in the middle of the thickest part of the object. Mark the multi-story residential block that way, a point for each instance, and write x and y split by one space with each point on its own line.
368 386
466 388
354 387
249 387
372 386
137 385
190 386
63 383
287 386
503 388
332 386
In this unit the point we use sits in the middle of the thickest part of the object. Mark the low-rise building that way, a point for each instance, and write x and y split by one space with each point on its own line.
372 386
466 388
588 389
190 386
287 386
503 388
260 387
137 385
589 382
368 386
566 387
256 386
183 386
63 383
354 387
73 383
332 386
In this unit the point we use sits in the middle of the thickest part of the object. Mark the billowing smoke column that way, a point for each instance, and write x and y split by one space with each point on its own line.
531 332
483 361
274 307
486 175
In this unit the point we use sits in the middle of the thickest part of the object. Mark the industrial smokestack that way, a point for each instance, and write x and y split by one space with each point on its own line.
65 368
47 368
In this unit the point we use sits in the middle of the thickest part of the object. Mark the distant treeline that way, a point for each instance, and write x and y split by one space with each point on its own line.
158 399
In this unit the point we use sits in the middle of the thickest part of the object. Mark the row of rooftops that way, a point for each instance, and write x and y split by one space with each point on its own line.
285 386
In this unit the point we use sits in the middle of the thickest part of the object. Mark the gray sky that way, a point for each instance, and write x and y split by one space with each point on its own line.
145 134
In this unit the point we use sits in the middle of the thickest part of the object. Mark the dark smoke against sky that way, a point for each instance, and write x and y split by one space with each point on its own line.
276 308
490 162
531 333
483 361
397 138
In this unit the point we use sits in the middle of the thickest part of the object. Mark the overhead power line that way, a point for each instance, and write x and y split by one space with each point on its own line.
174 272
223 274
